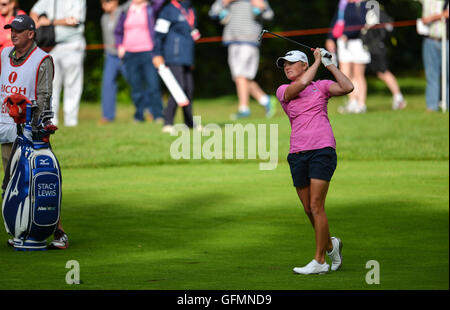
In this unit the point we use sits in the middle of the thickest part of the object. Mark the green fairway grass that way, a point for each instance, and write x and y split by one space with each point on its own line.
137 219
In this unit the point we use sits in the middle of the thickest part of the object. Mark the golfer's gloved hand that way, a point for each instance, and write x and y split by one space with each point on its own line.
328 61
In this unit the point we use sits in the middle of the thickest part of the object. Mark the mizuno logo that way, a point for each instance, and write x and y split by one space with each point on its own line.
15 191
43 162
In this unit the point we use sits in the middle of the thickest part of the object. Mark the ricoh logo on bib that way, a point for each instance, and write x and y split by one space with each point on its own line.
12 89
8 89
12 77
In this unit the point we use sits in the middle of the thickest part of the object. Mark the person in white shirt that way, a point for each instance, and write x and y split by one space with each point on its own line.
68 17
432 13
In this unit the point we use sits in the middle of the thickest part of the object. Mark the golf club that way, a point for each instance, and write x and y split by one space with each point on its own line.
327 55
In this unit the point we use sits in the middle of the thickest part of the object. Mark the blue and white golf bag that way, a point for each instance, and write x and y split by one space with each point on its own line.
32 200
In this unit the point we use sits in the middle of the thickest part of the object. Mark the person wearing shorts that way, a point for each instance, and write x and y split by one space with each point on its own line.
352 54
242 20
312 155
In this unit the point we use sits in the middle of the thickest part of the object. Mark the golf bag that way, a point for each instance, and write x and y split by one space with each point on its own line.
32 199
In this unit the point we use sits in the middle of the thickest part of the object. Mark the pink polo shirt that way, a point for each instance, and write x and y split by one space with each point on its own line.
308 115
136 33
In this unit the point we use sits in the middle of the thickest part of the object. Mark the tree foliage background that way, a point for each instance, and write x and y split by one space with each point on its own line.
212 75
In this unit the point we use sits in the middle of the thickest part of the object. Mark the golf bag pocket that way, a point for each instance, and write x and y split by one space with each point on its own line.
31 205
45 200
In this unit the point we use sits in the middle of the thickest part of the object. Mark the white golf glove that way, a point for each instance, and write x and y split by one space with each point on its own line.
328 61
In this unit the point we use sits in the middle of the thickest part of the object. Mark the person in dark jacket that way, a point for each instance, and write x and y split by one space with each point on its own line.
373 37
175 36
134 35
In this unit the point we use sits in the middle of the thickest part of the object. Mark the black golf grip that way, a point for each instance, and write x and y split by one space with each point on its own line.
327 55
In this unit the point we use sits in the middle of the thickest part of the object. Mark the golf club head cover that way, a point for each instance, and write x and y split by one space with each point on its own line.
17 104
43 134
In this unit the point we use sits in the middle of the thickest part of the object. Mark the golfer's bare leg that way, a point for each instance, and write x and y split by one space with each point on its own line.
242 89
318 193
304 195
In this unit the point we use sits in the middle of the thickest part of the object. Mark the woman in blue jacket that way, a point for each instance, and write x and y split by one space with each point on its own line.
175 35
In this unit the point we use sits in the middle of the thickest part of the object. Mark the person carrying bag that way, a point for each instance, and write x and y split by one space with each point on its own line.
45 35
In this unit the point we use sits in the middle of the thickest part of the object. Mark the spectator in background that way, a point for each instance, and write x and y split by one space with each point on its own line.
68 16
374 37
8 10
112 64
242 20
432 13
135 41
352 55
176 31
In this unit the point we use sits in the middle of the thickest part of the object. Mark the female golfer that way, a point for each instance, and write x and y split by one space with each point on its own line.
312 156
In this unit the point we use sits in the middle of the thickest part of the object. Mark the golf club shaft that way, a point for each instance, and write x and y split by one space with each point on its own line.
328 55
285 38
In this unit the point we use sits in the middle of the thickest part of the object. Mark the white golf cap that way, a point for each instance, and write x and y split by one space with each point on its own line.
292 56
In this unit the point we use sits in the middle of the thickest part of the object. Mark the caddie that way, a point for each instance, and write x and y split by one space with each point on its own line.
26 70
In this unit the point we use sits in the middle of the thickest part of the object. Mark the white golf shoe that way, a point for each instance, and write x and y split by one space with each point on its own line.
168 129
398 105
313 268
350 107
336 254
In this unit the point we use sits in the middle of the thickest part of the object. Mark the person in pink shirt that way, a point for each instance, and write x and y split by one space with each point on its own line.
134 35
312 156
8 10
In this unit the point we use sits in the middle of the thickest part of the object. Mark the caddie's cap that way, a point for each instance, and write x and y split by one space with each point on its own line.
292 56
21 22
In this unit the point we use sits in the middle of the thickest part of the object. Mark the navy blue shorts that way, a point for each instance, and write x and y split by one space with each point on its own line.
314 164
